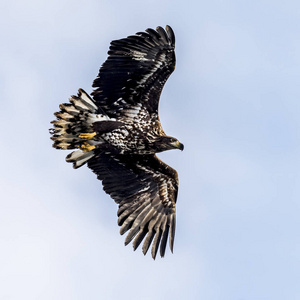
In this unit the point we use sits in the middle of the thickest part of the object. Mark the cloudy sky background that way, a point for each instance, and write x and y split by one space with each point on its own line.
233 101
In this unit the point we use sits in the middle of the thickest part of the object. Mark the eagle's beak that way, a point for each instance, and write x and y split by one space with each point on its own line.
178 145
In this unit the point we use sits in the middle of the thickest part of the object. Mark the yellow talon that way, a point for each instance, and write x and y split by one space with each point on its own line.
87 136
87 147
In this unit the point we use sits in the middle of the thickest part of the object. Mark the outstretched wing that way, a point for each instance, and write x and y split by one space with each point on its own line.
146 190
135 72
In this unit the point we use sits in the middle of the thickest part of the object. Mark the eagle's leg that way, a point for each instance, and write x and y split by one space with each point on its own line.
86 147
87 136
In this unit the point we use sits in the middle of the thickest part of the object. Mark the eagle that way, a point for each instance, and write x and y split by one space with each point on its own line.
117 132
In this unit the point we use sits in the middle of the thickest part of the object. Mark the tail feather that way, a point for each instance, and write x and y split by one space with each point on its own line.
83 102
73 119
69 108
79 158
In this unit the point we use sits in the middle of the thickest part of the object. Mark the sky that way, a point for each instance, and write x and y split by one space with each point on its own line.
233 101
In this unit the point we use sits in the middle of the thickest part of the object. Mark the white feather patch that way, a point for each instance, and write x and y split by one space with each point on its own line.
79 157
137 55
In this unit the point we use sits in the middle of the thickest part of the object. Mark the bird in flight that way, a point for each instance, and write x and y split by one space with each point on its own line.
117 132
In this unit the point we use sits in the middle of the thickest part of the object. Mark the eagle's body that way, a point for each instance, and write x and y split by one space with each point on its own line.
118 132
134 136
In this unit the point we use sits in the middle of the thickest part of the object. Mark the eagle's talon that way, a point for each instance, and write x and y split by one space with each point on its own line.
86 147
87 136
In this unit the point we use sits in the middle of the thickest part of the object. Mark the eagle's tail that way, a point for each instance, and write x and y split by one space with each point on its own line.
73 128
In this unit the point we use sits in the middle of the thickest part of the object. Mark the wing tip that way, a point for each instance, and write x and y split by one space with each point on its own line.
167 34
171 34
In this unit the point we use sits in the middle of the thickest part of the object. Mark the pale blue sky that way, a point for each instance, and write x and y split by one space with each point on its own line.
233 100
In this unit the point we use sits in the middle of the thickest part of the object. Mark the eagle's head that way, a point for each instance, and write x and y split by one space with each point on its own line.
164 143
